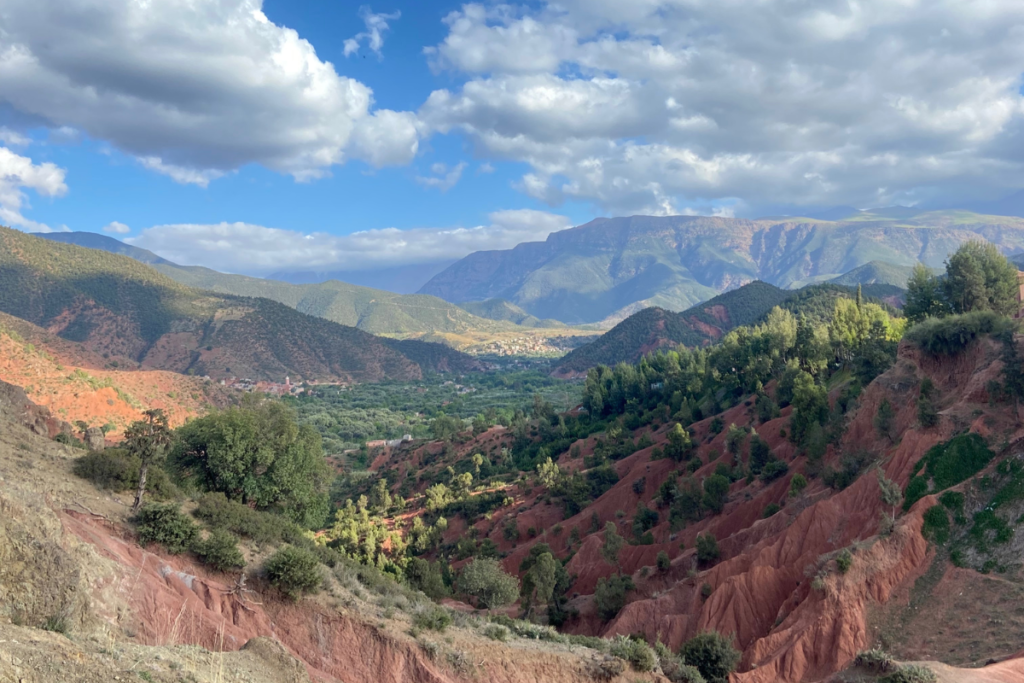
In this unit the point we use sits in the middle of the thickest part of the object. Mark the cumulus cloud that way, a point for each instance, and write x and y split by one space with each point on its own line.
17 174
442 178
117 228
376 25
13 138
194 89
259 250
661 105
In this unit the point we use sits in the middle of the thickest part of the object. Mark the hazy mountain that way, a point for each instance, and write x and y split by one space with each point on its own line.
371 310
120 307
594 271
406 279
876 272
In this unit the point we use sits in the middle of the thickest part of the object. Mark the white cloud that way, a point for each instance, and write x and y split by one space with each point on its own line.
13 138
376 24
117 227
656 105
18 173
193 88
255 249
443 178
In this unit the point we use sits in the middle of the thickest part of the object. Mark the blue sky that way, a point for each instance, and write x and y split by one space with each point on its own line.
279 136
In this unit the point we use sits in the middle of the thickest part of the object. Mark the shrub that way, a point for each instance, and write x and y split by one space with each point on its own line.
716 492
844 560
663 561
911 673
947 464
769 510
638 653
166 525
263 527
496 632
706 590
875 660
220 551
485 580
610 595
716 426
433 618
426 577
117 470
951 335
713 654
797 484
639 485
774 470
707 549
69 440
294 571
936 524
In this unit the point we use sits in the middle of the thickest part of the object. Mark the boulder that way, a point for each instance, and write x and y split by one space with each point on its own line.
95 439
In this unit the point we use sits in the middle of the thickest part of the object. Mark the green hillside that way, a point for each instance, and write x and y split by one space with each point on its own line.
653 328
499 309
611 267
371 310
125 309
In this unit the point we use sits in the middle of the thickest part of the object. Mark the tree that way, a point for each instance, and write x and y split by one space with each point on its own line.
810 405
890 493
760 454
679 444
548 473
257 454
1013 372
884 418
613 544
927 415
716 492
485 580
925 298
380 497
147 440
713 654
543 576
663 561
610 595
707 549
979 278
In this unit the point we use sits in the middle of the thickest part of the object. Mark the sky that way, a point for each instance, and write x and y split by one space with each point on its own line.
261 137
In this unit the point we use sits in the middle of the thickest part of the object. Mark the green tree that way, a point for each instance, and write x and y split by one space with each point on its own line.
613 544
707 549
927 415
484 579
548 473
258 455
679 445
380 497
147 440
294 571
1013 371
543 577
713 654
810 405
884 418
716 492
979 278
610 595
925 298
760 454
890 494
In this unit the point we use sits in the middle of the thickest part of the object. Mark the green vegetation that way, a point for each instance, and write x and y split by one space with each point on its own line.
294 571
947 464
713 654
638 653
707 549
610 595
118 470
220 551
256 455
486 581
166 525
978 278
936 524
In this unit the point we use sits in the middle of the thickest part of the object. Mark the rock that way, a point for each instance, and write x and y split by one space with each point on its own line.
95 439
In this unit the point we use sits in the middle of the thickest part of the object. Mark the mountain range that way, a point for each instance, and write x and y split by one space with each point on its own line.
612 267
126 310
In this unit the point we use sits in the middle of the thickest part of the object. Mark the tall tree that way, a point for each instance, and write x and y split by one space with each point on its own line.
147 439
979 278
925 298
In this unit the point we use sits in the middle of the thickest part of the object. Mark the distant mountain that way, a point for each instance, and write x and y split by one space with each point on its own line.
406 279
371 310
120 307
611 267
654 328
876 272
499 309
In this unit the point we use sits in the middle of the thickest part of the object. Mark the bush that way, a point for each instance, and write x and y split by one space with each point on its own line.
485 580
637 652
947 464
707 549
220 551
875 660
769 510
263 527
774 470
496 632
844 560
117 470
911 673
951 335
663 561
166 525
797 484
294 571
716 492
69 440
610 595
936 524
713 654
432 618
426 577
